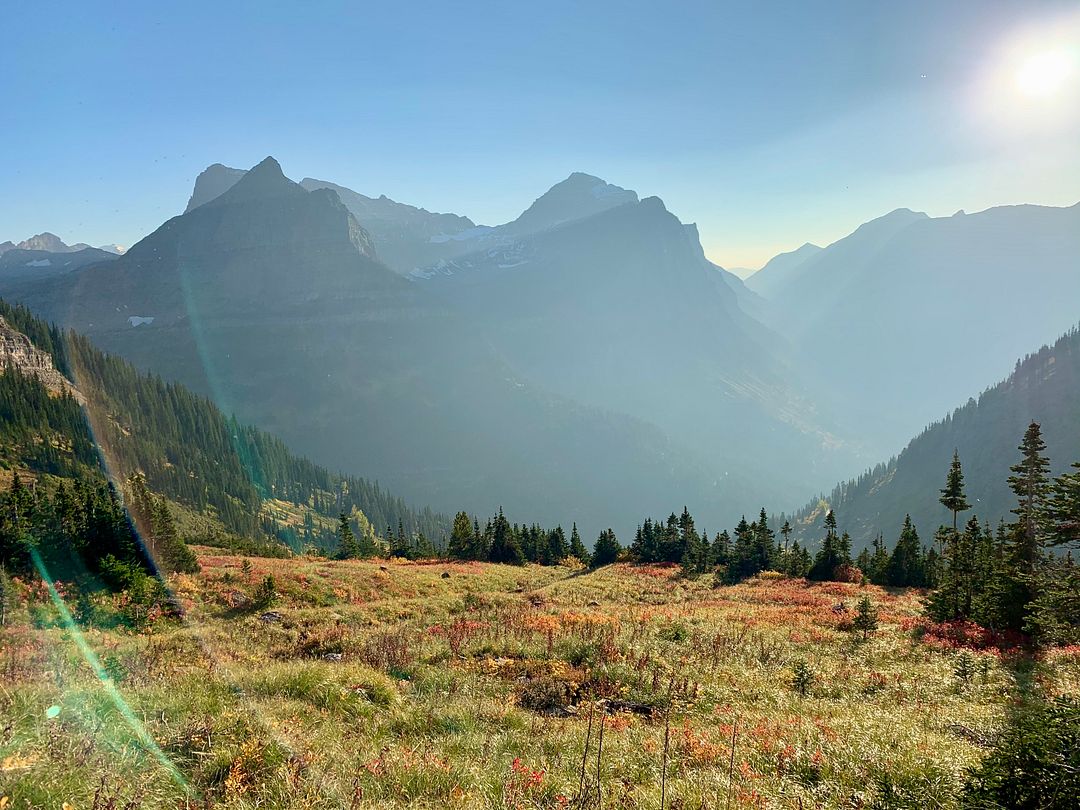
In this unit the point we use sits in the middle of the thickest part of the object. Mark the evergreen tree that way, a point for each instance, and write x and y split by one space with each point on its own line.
577 548
1063 508
906 565
505 548
830 556
557 548
1023 557
866 617
461 545
958 589
348 546
606 550
952 495
785 532
720 551
879 562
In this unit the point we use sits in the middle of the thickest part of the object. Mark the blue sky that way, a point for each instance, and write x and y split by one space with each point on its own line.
768 124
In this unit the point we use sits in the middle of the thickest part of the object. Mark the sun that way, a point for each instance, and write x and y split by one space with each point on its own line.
1044 74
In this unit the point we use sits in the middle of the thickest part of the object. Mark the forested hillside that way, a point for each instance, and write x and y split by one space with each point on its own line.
1044 387
187 449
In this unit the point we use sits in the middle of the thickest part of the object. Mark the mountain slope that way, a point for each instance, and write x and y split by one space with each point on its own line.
187 449
1044 387
779 270
270 300
910 314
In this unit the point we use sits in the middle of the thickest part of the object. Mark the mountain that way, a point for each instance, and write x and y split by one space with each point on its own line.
578 196
44 243
212 182
271 300
50 243
406 237
117 249
1044 387
779 270
621 309
20 263
910 314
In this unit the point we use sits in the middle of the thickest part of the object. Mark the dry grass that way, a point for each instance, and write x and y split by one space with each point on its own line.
392 685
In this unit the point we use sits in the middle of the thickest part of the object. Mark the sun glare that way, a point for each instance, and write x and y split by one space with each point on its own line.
1044 74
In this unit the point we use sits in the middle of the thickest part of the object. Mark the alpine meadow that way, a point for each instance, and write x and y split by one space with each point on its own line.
520 499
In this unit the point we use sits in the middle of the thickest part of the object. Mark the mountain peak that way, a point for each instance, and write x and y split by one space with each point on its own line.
264 179
269 166
212 182
578 196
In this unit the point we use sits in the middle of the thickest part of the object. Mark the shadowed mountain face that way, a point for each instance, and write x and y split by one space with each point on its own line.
271 299
405 236
911 314
212 182
1045 387
622 310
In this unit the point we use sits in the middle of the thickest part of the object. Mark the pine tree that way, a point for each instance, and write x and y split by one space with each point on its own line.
461 546
1063 508
505 548
830 556
348 546
866 617
952 495
1023 557
906 565
606 550
958 590
1030 482
577 548
785 532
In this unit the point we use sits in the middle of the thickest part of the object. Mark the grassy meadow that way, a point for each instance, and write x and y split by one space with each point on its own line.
366 685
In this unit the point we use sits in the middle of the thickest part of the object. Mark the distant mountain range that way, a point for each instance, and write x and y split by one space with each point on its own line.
584 361
911 314
51 243
21 264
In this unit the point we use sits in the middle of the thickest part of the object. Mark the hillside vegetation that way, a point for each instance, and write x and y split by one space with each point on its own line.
247 481
355 684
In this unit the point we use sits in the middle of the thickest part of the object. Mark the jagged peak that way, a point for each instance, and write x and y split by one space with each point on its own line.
263 179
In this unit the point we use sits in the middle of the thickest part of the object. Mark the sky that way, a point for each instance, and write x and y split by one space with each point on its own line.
768 124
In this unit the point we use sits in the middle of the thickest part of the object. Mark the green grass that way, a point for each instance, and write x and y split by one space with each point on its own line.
388 685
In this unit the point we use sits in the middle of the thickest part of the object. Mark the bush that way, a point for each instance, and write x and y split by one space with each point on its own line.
1036 763
802 678
265 595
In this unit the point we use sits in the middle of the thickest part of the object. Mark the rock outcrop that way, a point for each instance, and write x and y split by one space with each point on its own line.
17 351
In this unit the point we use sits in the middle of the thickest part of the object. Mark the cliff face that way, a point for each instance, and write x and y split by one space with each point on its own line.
17 350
